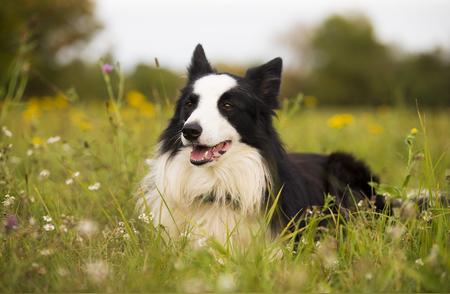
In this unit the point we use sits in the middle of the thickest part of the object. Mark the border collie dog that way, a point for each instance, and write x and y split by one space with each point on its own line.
220 161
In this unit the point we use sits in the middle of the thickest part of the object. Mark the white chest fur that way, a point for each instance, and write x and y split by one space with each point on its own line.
222 199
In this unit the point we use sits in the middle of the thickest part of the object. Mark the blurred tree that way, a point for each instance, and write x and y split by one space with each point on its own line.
91 85
50 26
348 65
424 78
342 63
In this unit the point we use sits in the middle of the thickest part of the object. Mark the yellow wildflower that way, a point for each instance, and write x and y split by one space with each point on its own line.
32 110
138 101
413 131
340 120
46 102
60 101
78 119
135 99
147 109
37 141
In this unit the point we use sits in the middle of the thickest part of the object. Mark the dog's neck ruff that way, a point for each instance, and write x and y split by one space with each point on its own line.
217 196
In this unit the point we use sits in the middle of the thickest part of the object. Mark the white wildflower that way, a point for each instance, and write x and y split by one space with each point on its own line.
29 152
368 276
7 132
46 252
69 181
419 262
54 139
220 261
201 242
87 227
427 215
49 227
44 174
386 195
63 228
47 218
32 221
226 283
97 271
76 174
9 200
126 236
94 187
360 203
145 218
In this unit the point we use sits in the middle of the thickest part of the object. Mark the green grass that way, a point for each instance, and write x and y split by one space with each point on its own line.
366 252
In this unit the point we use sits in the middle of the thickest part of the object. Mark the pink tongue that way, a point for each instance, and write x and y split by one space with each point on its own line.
201 153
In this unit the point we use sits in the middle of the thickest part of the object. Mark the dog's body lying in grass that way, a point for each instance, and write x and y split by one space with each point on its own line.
220 162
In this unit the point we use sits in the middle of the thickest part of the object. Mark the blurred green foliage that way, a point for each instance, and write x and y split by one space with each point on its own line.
49 28
347 65
343 62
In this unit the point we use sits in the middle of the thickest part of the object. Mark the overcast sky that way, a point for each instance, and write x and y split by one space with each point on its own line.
247 31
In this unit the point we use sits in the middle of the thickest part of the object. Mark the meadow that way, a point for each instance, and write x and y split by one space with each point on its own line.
70 169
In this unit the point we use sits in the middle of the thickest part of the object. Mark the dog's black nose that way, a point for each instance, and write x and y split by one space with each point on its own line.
192 131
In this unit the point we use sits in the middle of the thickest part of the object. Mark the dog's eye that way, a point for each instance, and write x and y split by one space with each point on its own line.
189 104
227 106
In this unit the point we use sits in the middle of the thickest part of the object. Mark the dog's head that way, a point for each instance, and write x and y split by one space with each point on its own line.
219 110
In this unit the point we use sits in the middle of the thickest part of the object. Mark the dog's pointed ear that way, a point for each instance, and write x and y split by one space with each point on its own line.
266 79
199 64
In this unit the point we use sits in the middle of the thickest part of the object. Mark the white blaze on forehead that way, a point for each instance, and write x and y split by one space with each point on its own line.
213 86
215 127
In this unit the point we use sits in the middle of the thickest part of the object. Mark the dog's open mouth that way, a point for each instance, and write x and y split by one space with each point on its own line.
202 154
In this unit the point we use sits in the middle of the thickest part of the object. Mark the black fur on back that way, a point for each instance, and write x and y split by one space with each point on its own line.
307 178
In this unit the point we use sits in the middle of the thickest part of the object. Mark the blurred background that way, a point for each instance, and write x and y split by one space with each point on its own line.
359 53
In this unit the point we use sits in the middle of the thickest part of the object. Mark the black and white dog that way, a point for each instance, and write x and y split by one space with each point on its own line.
220 159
